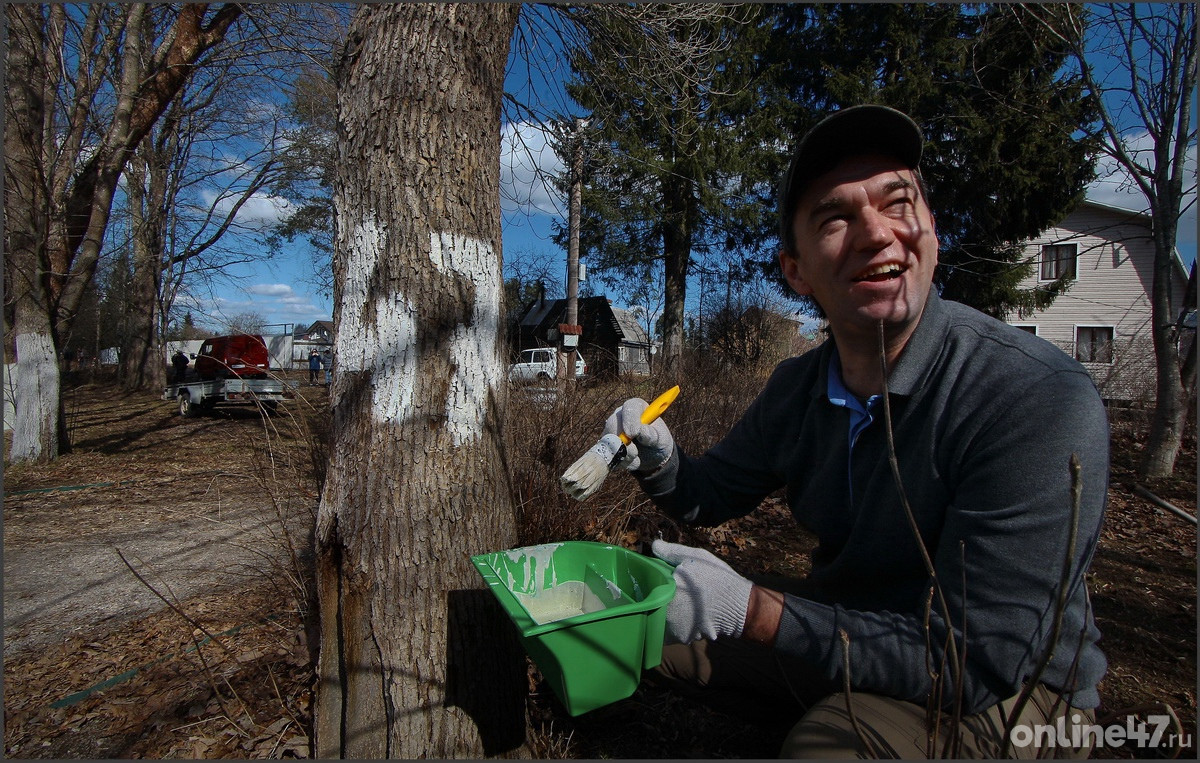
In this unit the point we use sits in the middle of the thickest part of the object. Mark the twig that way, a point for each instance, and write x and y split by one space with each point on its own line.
279 696
951 644
933 705
862 736
279 739
956 717
208 672
169 603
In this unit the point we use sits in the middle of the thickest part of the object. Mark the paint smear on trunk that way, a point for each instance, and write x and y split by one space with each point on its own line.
380 336
474 350
35 425
385 345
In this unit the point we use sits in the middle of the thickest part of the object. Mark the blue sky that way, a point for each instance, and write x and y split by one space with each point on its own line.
281 291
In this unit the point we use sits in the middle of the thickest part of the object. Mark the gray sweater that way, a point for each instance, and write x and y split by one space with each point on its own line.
985 419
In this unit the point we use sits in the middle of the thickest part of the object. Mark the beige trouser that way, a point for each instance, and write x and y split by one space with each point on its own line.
747 679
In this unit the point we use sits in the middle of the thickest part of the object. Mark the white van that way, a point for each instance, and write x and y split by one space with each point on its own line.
540 364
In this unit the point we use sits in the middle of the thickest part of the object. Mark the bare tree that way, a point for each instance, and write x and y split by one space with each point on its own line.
85 88
216 148
246 323
1139 62
416 660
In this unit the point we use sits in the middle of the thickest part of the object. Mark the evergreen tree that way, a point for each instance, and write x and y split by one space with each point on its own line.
115 286
989 89
662 155
309 166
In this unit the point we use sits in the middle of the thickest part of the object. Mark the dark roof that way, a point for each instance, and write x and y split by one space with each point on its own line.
326 326
542 315
631 329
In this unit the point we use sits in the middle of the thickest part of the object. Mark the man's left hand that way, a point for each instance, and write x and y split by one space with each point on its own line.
710 598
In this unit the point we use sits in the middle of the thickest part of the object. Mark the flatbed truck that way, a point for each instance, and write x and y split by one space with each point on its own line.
200 395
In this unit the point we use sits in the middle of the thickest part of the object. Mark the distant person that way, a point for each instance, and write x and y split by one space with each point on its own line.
180 361
327 361
314 365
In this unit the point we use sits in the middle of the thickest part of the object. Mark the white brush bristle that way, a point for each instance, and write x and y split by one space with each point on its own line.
585 476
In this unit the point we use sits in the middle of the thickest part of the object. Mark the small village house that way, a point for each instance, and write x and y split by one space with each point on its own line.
613 341
1104 318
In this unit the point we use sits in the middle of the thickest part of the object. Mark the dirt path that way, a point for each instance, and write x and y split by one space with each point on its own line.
203 513
64 577
208 511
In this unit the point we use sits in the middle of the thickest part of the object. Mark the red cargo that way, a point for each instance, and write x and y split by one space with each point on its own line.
240 355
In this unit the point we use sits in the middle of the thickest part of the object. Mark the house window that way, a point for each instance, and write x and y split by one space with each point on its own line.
1094 344
1058 260
1026 327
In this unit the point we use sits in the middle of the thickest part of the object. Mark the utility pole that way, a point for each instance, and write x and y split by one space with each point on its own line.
570 330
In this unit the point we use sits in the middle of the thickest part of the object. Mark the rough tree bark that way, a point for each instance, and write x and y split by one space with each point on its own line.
142 361
678 221
25 213
416 660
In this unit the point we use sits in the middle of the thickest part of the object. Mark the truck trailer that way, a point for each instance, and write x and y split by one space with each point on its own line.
231 369
203 395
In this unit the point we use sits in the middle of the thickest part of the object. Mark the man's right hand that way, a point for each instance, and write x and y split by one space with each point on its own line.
650 445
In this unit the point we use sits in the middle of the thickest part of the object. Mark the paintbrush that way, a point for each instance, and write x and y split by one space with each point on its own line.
585 476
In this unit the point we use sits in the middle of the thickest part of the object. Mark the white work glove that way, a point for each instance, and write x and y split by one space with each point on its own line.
710 598
650 445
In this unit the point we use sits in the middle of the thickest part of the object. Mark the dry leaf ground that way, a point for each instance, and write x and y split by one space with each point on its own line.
212 513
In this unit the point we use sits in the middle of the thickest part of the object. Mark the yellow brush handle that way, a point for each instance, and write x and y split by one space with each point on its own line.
655 409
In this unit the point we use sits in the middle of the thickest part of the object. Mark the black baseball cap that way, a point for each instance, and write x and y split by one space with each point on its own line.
868 129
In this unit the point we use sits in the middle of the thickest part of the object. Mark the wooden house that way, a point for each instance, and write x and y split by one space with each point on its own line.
1103 318
613 341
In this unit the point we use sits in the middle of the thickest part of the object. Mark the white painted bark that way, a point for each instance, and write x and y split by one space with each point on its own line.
475 354
35 427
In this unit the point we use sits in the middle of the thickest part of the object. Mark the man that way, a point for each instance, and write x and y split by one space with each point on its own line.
314 366
984 419
180 362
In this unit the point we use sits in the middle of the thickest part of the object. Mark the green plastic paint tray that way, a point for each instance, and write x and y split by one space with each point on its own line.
591 615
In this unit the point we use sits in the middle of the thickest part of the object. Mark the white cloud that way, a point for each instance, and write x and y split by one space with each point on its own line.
1113 186
274 303
259 211
271 290
527 162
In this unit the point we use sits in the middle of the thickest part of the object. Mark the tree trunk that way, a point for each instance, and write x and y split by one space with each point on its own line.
678 216
58 235
1170 409
143 365
416 659
36 422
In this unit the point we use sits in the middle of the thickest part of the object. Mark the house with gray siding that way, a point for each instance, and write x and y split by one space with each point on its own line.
1103 317
613 341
